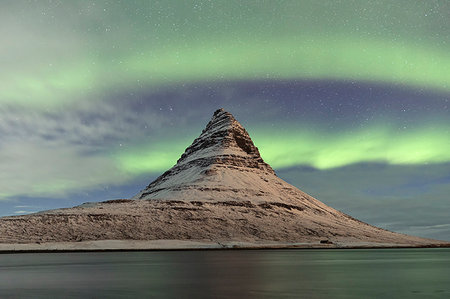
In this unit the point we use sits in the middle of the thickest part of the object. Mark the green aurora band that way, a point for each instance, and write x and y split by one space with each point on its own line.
287 147
342 59
144 44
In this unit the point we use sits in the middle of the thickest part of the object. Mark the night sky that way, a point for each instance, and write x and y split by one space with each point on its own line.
347 100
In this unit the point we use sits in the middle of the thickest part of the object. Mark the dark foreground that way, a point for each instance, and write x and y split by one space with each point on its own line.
368 273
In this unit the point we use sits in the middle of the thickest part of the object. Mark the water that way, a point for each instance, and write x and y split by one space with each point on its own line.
388 273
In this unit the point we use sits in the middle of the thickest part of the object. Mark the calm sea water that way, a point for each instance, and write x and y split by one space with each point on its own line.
388 273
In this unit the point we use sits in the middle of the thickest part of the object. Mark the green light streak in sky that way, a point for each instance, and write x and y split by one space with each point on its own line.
318 148
116 47
151 158
50 87
307 58
325 150
344 59
57 187
152 161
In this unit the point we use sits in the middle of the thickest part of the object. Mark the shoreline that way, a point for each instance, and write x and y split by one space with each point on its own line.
182 245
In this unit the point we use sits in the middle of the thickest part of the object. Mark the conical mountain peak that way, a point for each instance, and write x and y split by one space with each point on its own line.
224 136
223 155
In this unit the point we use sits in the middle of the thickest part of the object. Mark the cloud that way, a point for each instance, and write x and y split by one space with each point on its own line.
53 153
24 212
438 231
89 124
38 169
404 198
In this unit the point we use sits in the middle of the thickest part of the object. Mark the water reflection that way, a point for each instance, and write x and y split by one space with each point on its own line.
412 273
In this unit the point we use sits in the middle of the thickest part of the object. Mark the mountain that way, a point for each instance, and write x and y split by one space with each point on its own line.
220 193
224 165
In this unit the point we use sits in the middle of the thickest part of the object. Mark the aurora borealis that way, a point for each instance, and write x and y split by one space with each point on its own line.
347 100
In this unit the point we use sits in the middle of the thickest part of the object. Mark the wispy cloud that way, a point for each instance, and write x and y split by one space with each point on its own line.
411 199
24 212
51 153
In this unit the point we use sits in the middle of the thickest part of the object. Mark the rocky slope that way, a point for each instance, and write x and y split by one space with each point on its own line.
220 190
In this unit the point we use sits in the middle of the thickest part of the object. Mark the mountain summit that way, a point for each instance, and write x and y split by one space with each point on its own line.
220 193
224 141
222 159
